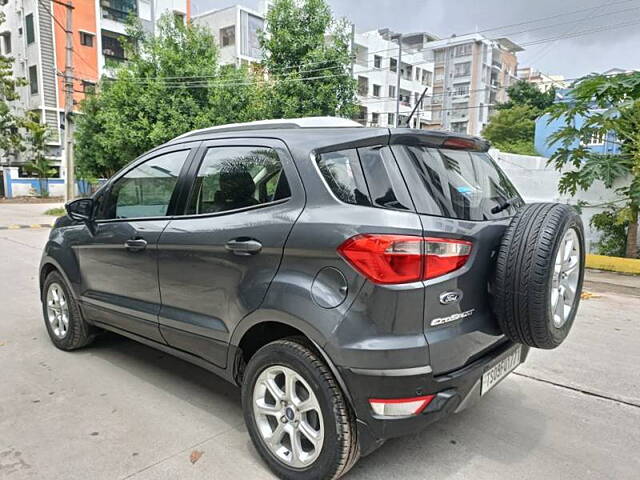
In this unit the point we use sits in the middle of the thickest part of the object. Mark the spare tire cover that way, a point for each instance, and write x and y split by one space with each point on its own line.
539 273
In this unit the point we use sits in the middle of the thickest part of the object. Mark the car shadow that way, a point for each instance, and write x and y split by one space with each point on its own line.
502 428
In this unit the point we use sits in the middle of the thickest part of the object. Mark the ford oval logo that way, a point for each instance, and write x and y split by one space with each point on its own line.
447 298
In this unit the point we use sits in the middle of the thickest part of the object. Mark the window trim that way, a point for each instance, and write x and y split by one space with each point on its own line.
26 28
195 168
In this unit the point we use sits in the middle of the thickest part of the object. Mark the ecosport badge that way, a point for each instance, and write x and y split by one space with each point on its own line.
452 318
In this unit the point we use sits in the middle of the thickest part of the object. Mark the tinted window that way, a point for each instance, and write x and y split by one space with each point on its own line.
383 179
342 172
146 190
236 177
456 183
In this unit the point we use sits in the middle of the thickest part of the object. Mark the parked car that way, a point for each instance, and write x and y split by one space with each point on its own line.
357 283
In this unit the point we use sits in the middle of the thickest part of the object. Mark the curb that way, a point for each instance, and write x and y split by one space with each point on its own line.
613 264
20 227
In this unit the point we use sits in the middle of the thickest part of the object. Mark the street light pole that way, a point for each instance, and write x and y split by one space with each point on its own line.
396 122
69 184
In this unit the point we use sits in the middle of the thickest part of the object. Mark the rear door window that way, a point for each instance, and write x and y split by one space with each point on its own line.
456 183
231 178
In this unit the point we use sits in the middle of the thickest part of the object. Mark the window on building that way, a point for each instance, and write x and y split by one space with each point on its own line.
31 33
462 50
249 36
462 69
363 86
86 39
33 79
393 65
377 61
461 89
391 119
112 49
88 87
375 119
6 43
597 138
228 36
392 91
376 90
118 10
459 127
426 77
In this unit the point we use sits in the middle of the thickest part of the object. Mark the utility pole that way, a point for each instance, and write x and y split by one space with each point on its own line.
70 180
396 121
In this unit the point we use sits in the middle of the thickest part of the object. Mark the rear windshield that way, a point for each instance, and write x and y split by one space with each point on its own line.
457 183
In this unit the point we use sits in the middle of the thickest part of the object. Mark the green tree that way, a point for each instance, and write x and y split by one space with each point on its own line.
613 232
512 128
10 138
602 105
170 84
307 60
36 138
526 93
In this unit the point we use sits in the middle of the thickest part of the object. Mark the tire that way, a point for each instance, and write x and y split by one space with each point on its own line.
77 333
339 449
528 281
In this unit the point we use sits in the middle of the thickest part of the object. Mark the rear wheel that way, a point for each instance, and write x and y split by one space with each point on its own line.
539 274
296 414
65 325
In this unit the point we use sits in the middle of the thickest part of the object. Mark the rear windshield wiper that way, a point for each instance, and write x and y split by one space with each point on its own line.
504 205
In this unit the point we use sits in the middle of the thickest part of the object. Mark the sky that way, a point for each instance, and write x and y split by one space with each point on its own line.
617 45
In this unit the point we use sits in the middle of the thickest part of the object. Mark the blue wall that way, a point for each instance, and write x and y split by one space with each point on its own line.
545 129
82 186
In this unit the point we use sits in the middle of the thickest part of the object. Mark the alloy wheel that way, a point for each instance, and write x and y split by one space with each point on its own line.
566 275
57 310
288 416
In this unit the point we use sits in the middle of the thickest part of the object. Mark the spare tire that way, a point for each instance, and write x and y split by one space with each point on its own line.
539 273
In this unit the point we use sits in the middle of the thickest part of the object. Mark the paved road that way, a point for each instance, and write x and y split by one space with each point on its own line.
26 213
119 410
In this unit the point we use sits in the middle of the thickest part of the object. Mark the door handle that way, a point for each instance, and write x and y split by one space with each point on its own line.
135 244
243 246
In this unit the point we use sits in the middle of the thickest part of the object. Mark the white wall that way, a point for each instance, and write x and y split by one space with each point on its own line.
538 182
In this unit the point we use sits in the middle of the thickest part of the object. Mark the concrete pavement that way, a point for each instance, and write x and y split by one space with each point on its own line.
120 410
26 213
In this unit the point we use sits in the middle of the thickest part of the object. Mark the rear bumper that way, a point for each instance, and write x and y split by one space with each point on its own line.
454 392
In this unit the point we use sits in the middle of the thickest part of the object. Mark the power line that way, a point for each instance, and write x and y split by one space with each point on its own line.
602 28
551 17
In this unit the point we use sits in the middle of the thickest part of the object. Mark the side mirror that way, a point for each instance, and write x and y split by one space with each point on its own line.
80 209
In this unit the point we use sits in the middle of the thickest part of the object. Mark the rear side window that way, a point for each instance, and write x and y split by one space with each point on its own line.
230 178
456 183
343 173
365 176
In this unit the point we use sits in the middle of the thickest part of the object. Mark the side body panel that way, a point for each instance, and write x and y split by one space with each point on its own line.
206 289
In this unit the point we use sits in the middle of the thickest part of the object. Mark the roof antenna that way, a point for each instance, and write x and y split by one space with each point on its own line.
416 106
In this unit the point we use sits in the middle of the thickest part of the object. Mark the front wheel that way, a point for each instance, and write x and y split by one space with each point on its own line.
296 414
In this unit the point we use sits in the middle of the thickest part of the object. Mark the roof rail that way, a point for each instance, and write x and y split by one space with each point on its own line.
307 122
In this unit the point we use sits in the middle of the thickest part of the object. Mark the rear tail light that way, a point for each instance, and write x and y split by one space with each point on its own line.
392 259
399 407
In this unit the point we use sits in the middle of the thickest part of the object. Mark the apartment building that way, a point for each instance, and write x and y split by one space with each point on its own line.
543 81
34 35
471 75
236 30
376 69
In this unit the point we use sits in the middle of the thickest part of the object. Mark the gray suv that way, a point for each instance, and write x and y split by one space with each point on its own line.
356 283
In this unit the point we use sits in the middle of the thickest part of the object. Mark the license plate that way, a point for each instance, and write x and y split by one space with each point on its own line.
500 370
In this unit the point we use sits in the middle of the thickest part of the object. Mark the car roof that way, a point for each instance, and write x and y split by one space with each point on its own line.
327 133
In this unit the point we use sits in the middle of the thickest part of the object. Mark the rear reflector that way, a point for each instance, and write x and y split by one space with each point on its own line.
400 407
392 259
460 143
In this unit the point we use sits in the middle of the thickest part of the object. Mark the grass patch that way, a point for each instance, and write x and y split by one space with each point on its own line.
56 212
